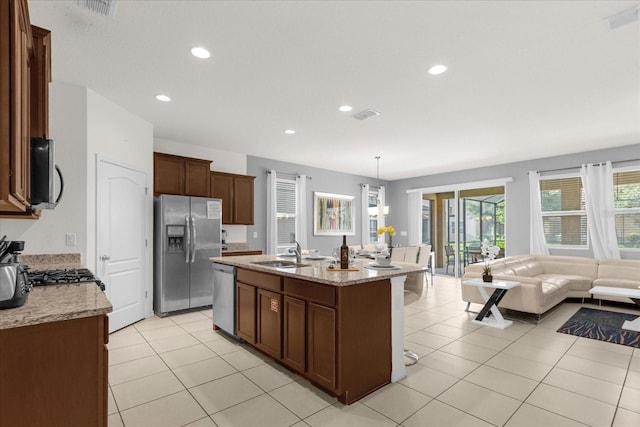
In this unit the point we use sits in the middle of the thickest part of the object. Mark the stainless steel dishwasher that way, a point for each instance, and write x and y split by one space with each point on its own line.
224 298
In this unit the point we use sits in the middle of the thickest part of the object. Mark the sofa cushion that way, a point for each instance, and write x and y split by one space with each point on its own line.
569 265
529 269
552 291
619 269
573 281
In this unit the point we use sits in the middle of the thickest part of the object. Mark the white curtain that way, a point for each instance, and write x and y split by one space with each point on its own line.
301 209
415 218
597 182
271 212
537 241
381 205
364 195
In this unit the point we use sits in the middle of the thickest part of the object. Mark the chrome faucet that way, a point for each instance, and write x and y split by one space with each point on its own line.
297 251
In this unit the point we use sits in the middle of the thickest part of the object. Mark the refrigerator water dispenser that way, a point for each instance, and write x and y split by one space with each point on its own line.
175 238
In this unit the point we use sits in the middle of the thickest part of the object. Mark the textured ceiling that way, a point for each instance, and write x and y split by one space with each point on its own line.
526 79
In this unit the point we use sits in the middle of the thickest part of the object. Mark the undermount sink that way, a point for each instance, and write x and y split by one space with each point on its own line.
280 264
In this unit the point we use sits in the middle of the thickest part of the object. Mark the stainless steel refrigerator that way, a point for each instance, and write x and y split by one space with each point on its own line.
187 232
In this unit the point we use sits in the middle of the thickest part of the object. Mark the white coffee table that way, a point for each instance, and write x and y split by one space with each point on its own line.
491 302
633 294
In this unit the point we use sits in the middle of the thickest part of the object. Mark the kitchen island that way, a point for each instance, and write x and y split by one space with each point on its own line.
54 358
341 330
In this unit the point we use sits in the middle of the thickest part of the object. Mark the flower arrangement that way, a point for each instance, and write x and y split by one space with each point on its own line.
489 253
388 229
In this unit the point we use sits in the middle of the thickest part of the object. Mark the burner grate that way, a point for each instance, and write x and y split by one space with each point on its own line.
59 277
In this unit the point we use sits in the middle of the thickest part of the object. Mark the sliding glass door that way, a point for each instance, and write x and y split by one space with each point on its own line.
456 223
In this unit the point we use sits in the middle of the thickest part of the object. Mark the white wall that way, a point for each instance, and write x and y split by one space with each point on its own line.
119 136
85 125
222 161
68 128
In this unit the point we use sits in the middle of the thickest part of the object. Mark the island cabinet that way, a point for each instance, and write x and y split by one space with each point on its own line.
259 318
246 311
310 330
55 373
183 176
337 337
236 192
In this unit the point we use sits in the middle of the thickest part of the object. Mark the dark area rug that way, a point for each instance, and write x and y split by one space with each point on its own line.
601 325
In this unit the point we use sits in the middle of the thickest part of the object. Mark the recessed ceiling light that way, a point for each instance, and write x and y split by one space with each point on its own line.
345 108
200 52
437 69
163 98
289 131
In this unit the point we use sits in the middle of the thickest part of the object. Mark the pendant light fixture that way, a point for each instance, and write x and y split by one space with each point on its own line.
378 210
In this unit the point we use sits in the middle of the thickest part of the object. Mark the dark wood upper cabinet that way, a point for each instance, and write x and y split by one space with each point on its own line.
179 175
25 73
197 177
40 79
236 192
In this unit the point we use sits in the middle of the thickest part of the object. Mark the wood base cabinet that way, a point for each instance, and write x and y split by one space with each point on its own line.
321 346
246 312
269 313
294 345
338 337
55 374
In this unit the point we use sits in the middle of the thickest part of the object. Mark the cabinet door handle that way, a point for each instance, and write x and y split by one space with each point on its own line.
105 258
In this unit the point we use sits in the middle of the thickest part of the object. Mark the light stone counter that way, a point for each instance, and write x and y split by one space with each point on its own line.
317 270
57 302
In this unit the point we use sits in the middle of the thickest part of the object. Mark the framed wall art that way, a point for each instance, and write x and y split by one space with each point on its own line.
333 214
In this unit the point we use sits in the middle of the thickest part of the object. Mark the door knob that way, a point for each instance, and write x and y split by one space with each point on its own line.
105 258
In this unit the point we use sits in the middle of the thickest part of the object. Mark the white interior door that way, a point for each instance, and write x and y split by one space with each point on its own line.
121 241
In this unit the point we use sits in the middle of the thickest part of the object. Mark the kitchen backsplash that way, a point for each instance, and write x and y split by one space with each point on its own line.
52 261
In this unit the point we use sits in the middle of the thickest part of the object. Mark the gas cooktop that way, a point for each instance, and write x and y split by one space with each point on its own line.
59 277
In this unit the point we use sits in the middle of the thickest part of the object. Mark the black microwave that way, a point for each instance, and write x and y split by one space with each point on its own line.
42 175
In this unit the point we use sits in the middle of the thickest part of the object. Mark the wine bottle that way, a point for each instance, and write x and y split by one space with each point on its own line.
344 254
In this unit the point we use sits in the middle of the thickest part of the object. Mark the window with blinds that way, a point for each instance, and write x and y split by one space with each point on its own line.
285 213
564 217
626 193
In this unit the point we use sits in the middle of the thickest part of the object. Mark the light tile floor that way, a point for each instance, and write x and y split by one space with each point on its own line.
176 371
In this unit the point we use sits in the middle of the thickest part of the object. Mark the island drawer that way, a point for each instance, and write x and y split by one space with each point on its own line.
310 291
261 280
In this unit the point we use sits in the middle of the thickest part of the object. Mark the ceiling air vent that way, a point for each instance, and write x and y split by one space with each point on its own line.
625 17
363 115
101 7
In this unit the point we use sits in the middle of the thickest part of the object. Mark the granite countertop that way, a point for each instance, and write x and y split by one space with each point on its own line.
238 247
317 270
56 302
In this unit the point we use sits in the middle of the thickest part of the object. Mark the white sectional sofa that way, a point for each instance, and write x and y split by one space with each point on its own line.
546 281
